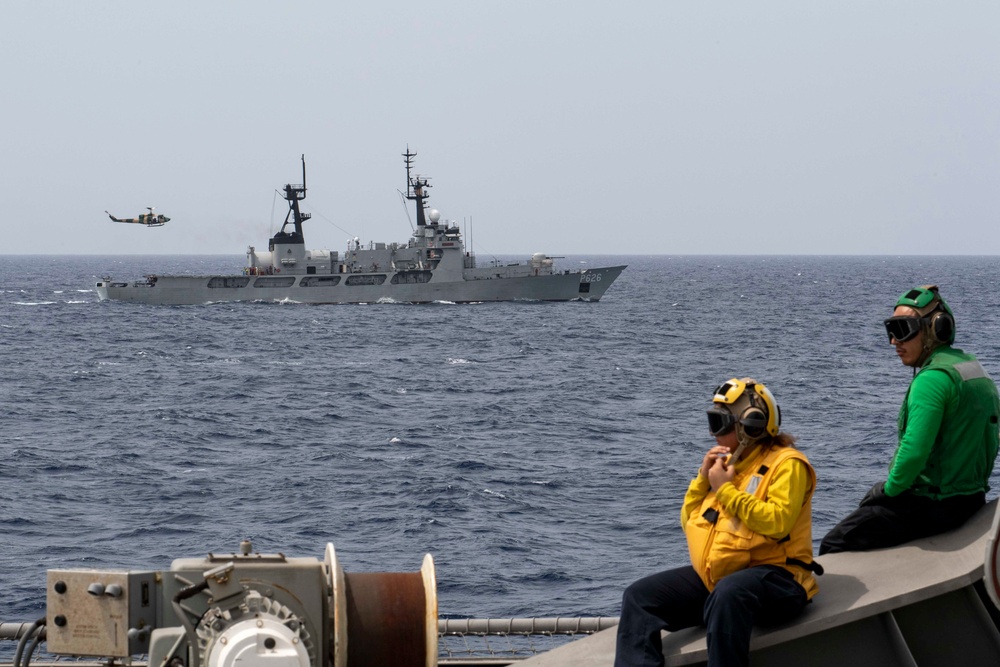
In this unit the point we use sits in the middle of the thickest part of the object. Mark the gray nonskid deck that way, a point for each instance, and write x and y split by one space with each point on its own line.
918 604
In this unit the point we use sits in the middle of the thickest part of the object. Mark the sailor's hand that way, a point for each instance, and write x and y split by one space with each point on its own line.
720 473
875 495
714 454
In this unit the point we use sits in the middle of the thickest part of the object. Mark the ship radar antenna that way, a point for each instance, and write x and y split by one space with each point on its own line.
416 187
293 195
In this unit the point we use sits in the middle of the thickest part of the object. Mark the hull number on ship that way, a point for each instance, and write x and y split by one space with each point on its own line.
590 278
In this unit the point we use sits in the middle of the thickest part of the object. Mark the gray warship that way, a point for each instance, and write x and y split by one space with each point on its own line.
433 266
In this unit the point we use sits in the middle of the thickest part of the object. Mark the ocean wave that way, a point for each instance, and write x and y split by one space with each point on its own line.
526 446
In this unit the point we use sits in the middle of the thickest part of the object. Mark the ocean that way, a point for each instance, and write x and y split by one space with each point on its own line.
539 451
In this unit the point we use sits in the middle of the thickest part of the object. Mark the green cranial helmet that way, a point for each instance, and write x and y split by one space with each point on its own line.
931 306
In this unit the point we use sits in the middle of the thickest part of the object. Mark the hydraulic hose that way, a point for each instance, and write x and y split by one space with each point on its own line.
23 642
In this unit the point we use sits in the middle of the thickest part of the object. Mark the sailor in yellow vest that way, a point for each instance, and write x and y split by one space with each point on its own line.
747 517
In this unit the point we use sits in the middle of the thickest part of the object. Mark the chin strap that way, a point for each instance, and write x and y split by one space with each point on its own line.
923 357
928 348
927 343
744 443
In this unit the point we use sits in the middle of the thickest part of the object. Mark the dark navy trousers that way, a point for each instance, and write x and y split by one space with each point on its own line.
678 599
887 521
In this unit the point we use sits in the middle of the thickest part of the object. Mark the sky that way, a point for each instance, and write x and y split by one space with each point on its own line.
647 127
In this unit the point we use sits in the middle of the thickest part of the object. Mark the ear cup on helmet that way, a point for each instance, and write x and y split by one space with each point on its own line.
942 327
754 422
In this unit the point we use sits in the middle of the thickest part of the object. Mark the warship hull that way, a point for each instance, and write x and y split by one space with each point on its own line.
190 290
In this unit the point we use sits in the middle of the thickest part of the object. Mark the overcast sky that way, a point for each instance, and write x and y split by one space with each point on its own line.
577 127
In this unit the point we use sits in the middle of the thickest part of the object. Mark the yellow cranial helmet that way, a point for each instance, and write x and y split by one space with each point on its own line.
746 405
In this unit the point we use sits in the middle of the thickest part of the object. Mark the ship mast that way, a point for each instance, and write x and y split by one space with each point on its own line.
293 195
415 186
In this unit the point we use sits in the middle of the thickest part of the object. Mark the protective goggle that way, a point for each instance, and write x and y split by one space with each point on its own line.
720 421
903 328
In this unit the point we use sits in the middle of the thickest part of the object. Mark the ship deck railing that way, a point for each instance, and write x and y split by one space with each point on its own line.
462 642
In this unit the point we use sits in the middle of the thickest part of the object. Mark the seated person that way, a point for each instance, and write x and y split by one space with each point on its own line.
947 432
747 517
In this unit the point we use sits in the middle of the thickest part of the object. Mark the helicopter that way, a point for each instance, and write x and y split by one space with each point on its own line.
149 219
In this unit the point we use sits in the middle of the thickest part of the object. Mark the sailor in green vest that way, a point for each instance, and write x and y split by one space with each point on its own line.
747 517
947 435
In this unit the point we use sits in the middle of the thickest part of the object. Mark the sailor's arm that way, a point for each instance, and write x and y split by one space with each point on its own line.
700 486
695 496
775 516
925 405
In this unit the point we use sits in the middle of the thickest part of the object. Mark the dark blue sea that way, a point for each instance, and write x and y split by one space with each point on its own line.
539 451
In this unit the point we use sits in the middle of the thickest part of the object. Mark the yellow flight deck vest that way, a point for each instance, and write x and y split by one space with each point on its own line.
720 543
